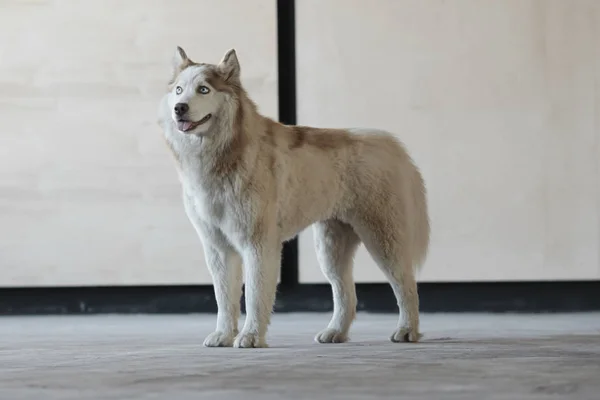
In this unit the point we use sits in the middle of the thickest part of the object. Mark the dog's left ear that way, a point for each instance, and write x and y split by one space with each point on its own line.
229 66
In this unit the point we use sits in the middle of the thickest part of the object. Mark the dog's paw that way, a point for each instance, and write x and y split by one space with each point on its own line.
331 336
249 340
405 334
219 339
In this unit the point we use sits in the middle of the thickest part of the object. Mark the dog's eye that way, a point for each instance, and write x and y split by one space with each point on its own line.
203 90
178 90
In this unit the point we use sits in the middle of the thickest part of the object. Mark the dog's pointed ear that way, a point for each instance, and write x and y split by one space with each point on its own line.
229 66
180 62
180 59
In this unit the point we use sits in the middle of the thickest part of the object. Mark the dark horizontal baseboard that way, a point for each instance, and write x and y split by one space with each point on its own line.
534 297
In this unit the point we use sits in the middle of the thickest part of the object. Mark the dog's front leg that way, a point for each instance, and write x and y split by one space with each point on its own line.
262 263
225 266
226 271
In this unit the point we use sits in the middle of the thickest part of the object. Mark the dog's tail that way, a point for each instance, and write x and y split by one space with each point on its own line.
421 226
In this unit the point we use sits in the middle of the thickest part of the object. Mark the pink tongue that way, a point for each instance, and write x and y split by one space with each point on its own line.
184 125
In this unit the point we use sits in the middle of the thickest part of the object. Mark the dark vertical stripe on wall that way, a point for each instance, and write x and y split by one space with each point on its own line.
286 55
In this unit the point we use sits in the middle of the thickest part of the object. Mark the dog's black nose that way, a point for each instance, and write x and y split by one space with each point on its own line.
181 108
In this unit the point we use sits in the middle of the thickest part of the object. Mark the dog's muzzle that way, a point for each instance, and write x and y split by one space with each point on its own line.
186 126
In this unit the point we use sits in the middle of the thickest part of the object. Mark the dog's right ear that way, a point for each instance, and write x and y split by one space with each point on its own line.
180 58
180 62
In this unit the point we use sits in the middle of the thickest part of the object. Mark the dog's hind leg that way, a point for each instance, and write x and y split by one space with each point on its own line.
336 244
386 244
404 285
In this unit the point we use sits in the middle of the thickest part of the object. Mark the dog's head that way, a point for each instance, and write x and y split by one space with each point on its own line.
198 91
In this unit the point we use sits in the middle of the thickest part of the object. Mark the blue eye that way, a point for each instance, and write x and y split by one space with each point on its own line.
203 90
178 90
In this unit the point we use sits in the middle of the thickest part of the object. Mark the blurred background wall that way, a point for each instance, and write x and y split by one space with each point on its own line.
497 101
89 194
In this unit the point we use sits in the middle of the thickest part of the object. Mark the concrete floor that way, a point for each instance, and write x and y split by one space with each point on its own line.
161 357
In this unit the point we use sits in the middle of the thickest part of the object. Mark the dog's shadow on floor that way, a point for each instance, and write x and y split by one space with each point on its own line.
436 341
374 343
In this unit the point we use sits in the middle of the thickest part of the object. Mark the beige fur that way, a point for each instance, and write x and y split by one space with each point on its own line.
250 183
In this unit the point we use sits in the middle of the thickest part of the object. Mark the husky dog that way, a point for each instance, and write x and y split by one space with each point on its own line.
250 183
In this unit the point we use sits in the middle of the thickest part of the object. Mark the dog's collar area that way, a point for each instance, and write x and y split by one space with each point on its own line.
186 126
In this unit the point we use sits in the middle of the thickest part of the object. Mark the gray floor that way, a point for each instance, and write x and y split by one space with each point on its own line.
161 357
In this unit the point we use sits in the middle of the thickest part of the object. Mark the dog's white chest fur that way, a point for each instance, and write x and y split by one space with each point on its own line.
201 200
209 209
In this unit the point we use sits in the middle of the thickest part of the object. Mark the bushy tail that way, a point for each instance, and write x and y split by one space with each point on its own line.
421 227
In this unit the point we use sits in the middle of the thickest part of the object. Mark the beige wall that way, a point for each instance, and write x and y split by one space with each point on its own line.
498 101
88 192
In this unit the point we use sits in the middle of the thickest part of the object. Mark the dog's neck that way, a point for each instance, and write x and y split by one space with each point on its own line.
235 117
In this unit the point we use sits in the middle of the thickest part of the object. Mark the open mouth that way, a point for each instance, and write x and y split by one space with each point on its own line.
186 126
